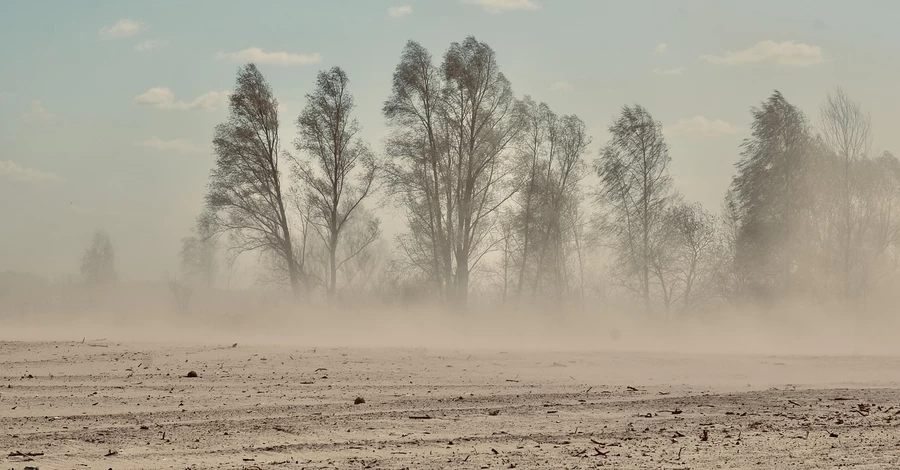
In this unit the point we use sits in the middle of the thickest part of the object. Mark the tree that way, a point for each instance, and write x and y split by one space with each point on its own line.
199 261
879 220
771 190
551 168
693 240
636 190
452 130
846 131
343 169
98 261
245 191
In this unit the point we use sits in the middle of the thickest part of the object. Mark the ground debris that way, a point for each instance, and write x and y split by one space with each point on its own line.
18 453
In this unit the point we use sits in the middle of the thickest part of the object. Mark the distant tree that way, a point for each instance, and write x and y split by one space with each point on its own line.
452 129
98 261
199 261
691 249
729 281
245 191
636 191
773 197
550 168
877 249
845 129
339 173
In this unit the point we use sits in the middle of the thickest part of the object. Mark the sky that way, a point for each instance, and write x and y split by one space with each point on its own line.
107 108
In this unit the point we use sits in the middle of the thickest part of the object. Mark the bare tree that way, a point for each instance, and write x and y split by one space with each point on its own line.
694 240
98 260
451 131
342 170
538 146
636 190
846 130
245 191
199 261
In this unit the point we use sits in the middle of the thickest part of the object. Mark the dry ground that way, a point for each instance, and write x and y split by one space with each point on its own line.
103 404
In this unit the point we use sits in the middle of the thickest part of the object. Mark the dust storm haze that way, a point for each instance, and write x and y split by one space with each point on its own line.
450 230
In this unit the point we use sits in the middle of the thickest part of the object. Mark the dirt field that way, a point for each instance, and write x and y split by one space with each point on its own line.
103 404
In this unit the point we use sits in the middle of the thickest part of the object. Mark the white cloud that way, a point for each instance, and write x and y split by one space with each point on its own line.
163 98
561 85
700 125
147 45
500 6
172 145
38 113
661 48
673 71
257 55
123 28
399 11
15 172
791 53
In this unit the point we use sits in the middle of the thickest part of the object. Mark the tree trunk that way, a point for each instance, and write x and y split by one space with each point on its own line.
332 267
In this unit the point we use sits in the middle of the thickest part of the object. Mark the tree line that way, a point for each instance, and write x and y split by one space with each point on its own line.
496 197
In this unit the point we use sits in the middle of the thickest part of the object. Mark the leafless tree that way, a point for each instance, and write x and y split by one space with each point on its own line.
199 262
636 191
694 240
846 130
98 260
245 188
182 293
340 171
451 133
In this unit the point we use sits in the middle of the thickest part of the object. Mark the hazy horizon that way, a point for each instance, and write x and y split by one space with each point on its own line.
107 111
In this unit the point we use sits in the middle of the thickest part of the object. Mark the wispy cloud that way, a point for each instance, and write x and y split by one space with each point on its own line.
672 71
171 145
164 98
399 11
257 55
661 48
37 113
148 45
700 125
561 85
791 53
500 6
15 172
122 29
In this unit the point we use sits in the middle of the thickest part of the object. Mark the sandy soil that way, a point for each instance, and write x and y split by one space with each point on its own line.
103 404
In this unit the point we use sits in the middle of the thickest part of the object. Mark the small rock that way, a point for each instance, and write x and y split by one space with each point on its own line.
359 401
192 374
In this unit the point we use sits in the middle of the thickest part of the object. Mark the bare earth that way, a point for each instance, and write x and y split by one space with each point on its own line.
103 404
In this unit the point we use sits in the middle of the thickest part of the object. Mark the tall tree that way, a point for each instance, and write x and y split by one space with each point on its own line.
846 131
342 169
98 260
771 190
636 189
245 188
452 129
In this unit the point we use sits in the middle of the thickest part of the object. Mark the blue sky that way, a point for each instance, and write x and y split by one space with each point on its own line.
107 108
